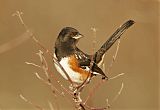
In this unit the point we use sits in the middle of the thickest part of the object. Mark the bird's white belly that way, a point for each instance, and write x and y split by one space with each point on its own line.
74 76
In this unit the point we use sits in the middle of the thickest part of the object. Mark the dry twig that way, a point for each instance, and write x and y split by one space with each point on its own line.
29 102
19 15
92 91
118 94
50 105
114 77
114 57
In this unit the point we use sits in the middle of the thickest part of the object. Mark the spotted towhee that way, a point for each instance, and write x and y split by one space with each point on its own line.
77 63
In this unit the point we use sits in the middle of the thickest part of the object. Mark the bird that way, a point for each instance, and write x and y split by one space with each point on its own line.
74 61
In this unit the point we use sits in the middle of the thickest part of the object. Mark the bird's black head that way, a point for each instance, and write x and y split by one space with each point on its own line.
69 35
66 42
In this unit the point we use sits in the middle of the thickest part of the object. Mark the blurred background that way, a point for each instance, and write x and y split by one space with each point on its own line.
137 56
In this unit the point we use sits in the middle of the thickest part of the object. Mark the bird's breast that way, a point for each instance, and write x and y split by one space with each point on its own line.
72 68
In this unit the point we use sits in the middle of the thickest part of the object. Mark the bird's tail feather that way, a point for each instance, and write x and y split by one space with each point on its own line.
116 35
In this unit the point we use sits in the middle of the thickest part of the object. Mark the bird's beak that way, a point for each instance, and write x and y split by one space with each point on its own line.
78 36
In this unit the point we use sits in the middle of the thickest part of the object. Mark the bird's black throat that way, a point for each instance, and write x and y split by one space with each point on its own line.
64 49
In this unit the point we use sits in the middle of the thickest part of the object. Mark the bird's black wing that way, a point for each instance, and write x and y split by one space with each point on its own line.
85 61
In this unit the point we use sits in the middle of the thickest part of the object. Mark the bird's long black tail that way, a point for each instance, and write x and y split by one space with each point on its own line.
116 35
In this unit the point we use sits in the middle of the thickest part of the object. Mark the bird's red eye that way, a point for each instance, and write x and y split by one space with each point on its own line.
75 33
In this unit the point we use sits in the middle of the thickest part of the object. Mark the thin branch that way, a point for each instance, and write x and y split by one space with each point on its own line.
33 64
92 60
118 44
114 56
54 59
92 91
29 102
45 69
42 59
19 15
50 105
46 82
48 73
75 91
66 90
40 78
44 64
119 93
94 39
107 103
121 74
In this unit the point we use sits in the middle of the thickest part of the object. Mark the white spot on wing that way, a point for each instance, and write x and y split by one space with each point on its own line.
76 56
100 63
88 69
80 57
